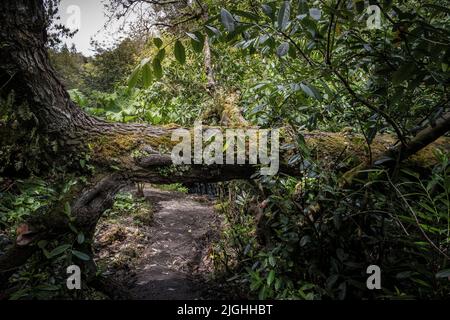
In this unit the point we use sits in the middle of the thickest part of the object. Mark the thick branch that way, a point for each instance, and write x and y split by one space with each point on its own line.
425 137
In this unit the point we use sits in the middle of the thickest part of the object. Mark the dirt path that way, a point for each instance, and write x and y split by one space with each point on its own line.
173 257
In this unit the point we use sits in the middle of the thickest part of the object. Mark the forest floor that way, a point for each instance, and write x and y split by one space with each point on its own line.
167 256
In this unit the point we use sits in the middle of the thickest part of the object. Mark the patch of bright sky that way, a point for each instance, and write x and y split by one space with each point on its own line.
88 16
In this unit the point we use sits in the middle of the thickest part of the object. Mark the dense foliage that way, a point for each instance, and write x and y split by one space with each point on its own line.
302 65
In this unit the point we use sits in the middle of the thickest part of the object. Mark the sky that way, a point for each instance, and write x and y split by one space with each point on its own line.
88 16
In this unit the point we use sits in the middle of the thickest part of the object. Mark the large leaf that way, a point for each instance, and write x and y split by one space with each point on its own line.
246 14
147 75
197 41
211 31
359 5
158 42
303 7
81 255
81 238
161 54
67 209
311 91
268 11
271 277
59 250
180 52
137 73
315 13
284 15
193 36
283 49
157 69
227 20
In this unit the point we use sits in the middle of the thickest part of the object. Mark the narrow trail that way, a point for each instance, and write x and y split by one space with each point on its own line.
177 249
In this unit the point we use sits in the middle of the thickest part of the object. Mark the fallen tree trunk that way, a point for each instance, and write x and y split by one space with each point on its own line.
25 69
124 153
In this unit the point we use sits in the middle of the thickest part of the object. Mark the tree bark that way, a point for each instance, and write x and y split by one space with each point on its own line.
211 85
424 137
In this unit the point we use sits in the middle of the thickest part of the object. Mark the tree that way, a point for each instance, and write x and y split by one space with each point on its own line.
176 17
26 71
69 64
111 66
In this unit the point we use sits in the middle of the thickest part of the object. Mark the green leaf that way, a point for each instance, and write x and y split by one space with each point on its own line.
180 52
147 75
315 13
42 244
284 15
157 69
197 41
359 5
255 285
303 7
211 31
311 26
268 11
404 274
246 14
272 261
271 277
262 293
113 106
305 240
443 274
404 73
278 284
72 227
283 49
134 77
161 54
59 250
67 209
81 255
193 36
292 52
311 91
158 42
227 20
383 160
81 238
47 287
137 73
411 173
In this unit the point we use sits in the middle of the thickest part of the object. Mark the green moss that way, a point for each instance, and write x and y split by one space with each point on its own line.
123 148
427 156
328 146
331 146
160 142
